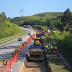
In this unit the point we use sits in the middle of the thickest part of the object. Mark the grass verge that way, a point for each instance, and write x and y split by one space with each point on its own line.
64 44
55 62
23 32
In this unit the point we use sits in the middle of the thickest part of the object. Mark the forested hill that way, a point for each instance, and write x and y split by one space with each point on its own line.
49 14
53 20
7 28
36 19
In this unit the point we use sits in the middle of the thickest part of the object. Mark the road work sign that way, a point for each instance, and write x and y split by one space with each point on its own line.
4 62
16 50
13 54
20 47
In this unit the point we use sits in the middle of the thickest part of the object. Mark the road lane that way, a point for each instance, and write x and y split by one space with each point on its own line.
10 47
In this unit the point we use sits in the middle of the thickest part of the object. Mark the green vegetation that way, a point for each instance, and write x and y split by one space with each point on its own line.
50 14
54 61
38 19
64 44
12 37
61 22
7 29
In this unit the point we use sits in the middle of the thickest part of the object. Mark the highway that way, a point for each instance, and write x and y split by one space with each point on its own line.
5 53
22 65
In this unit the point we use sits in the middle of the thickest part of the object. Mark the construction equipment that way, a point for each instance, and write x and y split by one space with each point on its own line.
35 51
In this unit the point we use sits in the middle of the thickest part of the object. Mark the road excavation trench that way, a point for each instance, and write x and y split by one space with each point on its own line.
34 66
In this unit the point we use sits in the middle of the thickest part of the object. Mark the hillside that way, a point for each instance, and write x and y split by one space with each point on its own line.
58 21
6 28
37 18
50 14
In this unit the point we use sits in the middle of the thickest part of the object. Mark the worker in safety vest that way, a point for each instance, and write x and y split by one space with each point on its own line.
47 47
49 33
51 47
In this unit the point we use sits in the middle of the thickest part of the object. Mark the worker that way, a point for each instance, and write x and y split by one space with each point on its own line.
48 33
55 48
48 38
47 47
45 34
51 47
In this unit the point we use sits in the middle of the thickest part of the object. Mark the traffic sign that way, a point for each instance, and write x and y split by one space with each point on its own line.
16 50
25 42
20 47
13 54
4 62
22 44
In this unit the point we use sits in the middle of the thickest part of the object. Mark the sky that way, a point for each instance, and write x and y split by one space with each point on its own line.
17 8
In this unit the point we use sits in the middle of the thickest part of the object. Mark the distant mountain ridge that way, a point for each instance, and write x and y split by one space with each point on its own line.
50 14
36 18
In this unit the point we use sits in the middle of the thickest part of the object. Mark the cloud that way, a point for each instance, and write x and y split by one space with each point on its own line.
21 11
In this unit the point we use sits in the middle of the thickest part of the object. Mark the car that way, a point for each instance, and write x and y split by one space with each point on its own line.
28 26
19 39
29 34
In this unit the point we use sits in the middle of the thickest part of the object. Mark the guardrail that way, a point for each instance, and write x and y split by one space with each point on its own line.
9 38
14 59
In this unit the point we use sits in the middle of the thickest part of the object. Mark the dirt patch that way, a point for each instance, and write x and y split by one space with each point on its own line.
34 67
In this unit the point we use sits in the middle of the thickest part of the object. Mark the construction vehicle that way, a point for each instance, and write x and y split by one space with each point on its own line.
35 51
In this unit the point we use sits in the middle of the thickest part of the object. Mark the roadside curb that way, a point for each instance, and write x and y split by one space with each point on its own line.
65 61
23 67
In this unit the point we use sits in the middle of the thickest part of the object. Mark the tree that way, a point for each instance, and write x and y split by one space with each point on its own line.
3 13
66 17
8 18
67 20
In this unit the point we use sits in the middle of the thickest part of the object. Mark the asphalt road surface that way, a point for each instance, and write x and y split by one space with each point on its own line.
12 45
22 65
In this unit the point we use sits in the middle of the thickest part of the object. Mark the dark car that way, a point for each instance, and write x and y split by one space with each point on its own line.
19 39
29 34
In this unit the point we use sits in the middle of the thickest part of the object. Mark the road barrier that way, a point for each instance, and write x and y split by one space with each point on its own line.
13 60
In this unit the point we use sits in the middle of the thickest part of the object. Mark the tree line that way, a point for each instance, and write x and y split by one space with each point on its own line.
60 21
